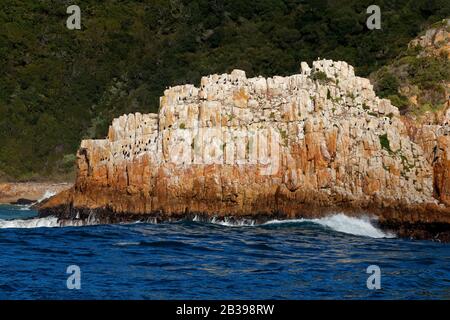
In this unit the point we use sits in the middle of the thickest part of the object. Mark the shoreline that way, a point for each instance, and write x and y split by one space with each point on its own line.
263 148
404 225
11 192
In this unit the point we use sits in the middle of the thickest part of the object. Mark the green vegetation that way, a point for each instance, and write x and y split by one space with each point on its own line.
58 86
426 76
426 72
284 137
384 141
407 167
427 107
399 100
319 76
351 95
387 84
416 81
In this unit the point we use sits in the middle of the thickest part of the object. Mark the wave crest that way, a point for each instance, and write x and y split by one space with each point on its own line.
47 195
30 223
47 222
341 223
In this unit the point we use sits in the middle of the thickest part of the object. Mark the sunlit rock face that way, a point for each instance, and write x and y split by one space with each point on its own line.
255 146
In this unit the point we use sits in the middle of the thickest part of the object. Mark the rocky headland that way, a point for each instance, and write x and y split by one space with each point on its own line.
306 145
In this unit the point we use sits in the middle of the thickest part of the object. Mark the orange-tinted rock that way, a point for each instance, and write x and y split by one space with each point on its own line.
252 147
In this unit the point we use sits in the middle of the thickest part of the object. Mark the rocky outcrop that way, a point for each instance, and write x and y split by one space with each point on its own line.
418 80
305 145
435 41
29 192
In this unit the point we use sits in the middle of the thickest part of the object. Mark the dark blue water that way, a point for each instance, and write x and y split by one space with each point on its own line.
193 260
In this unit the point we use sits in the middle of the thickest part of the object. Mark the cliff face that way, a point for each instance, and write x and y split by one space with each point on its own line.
301 145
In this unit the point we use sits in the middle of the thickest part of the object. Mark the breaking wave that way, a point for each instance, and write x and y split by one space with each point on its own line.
25 208
47 222
228 222
48 194
339 222
30 223
345 224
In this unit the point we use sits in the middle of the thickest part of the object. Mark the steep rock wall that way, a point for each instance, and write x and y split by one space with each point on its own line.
254 146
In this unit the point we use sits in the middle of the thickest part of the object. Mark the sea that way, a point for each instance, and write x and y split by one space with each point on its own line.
337 257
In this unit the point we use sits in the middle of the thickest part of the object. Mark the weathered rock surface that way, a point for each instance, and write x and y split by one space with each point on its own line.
304 145
31 191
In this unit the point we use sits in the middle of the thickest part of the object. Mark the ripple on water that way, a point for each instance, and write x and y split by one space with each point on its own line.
200 260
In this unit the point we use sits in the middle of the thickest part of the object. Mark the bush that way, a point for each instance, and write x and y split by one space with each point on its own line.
399 101
384 142
387 85
428 71
319 76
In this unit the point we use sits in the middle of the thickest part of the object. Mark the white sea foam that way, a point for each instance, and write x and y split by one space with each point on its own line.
357 226
47 222
48 194
233 222
126 244
340 222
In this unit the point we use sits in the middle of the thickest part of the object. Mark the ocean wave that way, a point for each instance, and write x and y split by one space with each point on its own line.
28 207
47 222
231 222
356 226
25 208
342 223
47 195
127 243
361 226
